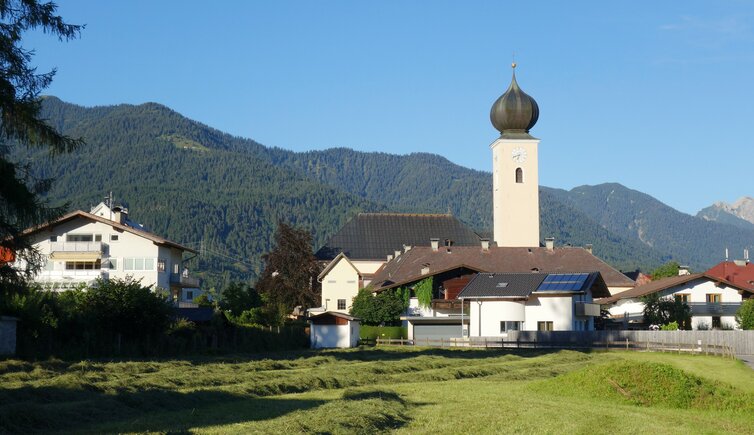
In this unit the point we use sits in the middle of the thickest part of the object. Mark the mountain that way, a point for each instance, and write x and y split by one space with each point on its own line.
225 194
633 215
740 213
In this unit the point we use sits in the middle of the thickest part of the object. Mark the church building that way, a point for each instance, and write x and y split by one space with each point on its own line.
385 251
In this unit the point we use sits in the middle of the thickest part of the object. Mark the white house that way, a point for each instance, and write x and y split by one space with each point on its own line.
504 302
333 329
713 301
81 247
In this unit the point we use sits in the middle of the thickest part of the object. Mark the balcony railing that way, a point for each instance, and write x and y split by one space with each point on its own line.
587 309
76 247
184 281
712 309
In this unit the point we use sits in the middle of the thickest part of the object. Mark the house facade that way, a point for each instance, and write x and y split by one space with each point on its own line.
81 247
713 302
505 302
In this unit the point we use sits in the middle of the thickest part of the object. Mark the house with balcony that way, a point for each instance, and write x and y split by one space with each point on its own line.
713 300
81 247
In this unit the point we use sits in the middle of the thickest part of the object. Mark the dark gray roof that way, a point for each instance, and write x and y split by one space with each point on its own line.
373 236
502 285
522 285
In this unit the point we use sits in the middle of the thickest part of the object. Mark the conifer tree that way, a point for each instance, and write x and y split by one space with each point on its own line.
21 203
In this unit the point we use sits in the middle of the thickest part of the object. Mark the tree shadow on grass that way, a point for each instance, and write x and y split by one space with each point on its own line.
52 409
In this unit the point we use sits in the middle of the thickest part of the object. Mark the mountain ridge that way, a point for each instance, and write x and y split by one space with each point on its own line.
194 183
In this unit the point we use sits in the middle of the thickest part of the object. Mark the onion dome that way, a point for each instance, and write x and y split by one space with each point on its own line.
515 111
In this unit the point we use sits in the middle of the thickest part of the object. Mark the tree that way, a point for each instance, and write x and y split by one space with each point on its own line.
239 297
383 309
666 270
21 205
663 311
290 273
745 315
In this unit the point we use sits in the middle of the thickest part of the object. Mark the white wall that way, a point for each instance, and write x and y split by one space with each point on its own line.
327 336
341 282
487 324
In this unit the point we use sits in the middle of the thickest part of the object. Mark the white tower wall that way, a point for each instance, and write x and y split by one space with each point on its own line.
515 205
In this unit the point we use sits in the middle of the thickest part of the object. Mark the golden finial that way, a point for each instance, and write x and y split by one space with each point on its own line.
513 65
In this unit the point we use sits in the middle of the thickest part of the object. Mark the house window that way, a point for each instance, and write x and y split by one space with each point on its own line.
79 238
713 298
113 263
684 298
82 265
506 326
341 304
53 238
98 237
160 265
544 326
190 295
145 264
113 237
175 268
716 324
519 175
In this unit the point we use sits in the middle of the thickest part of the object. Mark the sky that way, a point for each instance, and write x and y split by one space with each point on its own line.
655 95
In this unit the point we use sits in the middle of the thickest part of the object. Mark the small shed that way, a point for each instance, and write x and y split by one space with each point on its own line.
333 329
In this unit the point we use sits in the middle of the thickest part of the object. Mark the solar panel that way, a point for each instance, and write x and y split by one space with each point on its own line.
563 282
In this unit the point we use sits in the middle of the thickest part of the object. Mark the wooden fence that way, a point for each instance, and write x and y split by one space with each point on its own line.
710 342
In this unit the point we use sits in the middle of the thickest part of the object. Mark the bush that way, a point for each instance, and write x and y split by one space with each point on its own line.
372 332
702 326
745 315
384 309
672 326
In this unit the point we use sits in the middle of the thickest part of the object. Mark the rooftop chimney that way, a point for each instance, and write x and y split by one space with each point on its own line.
683 270
485 245
406 248
425 268
397 253
550 243
389 258
588 247
120 214
435 243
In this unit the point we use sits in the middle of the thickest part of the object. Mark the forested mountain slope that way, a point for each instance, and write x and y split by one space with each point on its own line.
635 215
202 187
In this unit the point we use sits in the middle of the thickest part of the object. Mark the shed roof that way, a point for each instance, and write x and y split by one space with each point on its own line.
334 314
373 236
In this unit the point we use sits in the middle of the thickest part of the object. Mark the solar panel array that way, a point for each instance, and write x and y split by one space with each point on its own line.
563 282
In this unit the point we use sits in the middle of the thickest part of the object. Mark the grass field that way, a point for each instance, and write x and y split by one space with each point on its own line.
409 390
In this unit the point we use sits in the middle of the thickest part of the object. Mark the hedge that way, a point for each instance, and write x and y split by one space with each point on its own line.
372 332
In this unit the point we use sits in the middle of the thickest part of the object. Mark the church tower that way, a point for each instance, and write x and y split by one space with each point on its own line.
515 178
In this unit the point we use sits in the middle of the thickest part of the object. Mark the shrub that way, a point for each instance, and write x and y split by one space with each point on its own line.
384 309
672 326
702 326
745 315
203 301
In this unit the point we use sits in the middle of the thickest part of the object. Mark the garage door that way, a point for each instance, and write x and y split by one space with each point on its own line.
437 331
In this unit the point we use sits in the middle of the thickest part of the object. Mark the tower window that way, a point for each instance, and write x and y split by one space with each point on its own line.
519 175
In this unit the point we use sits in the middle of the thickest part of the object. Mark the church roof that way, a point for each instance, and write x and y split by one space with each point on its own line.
373 236
408 267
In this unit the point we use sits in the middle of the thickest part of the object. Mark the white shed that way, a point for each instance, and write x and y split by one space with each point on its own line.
333 329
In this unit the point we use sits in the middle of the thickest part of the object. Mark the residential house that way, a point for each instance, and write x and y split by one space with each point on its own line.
503 302
739 272
713 301
81 247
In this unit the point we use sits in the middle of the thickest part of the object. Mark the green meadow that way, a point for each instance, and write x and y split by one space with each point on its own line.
411 390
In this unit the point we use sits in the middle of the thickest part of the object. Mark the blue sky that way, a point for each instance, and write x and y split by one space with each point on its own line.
658 96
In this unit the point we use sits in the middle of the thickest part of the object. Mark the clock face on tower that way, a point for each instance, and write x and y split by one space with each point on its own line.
518 155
